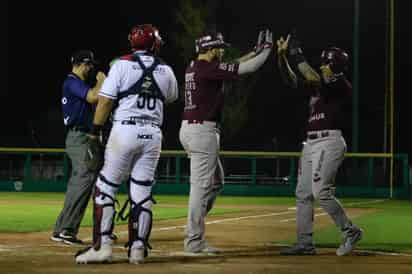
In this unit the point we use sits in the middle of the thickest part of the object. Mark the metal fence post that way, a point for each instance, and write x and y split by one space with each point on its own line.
370 174
177 171
28 168
253 163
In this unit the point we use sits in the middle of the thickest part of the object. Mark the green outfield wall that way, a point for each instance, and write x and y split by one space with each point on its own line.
247 173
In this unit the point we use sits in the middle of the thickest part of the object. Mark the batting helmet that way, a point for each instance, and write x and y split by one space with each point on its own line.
145 37
210 40
336 58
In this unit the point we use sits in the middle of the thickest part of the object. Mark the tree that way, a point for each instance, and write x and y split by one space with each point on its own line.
192 17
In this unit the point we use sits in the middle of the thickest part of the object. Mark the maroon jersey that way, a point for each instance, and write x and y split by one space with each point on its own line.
204 89
327 106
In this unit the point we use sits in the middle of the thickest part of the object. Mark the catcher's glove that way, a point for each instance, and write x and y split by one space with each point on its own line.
94 154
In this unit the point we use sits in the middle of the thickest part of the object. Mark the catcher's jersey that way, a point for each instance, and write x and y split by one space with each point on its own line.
144 99
204 89
327 107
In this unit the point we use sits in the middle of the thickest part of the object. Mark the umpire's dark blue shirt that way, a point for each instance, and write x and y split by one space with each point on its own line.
76 110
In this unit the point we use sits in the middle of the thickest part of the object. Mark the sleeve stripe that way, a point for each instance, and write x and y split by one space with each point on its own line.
107 95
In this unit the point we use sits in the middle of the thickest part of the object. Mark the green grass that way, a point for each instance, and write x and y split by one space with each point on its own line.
30 212
389 228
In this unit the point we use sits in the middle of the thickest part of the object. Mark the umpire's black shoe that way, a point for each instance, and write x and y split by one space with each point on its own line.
299 249
56 237
70 239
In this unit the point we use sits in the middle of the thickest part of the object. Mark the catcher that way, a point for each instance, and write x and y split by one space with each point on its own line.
142 85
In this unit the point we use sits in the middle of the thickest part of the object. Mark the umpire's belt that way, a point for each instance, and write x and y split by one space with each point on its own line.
201 122
312 135
78 128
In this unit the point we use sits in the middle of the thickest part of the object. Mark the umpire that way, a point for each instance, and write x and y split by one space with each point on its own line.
77 102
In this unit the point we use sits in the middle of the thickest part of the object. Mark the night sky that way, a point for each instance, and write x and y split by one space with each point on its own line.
41 37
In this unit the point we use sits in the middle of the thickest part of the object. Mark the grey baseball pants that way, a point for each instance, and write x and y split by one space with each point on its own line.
79 186
318 166
201 142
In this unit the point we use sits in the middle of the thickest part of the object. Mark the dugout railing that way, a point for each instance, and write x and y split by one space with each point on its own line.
246 173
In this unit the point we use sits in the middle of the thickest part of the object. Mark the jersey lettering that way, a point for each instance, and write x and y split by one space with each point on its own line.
146 101
190 86
317 116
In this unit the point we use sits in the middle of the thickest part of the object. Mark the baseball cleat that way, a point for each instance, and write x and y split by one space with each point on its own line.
56 237
349 242
299 249
91 255
137 255
70 239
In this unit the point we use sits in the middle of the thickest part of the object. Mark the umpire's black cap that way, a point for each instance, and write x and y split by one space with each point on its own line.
83 56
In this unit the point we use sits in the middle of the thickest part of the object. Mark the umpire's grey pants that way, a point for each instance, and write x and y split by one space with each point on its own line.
79 186
318 166
201 142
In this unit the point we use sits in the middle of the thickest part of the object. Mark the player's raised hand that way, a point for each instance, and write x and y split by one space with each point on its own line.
259 44
265 40
282 45
268 39
100 76
295 45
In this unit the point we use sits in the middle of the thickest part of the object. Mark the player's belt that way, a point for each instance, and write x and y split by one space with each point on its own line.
312 135
193 121
139 123
78 128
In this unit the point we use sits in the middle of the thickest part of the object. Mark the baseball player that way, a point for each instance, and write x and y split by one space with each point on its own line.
141 84
77 103
324 147
199 133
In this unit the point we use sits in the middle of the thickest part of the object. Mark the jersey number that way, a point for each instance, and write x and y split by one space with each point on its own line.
145 100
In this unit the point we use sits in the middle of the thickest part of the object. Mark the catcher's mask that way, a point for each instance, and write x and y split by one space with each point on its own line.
210 40
336 58
145 37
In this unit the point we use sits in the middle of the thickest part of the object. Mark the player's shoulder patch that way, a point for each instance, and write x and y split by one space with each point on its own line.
127 57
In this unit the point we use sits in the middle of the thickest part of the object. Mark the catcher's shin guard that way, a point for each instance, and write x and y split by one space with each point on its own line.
103 216
140 224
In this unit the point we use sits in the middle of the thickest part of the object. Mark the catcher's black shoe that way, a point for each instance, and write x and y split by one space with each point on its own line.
299 249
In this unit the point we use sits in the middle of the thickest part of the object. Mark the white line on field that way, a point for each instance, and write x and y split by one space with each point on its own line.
249 217
5 248
294 219
211 222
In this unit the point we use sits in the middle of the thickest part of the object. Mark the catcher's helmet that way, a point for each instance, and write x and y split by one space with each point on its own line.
210 40
335 57
145 37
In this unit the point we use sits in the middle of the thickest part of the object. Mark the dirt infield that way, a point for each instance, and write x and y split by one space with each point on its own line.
246 241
